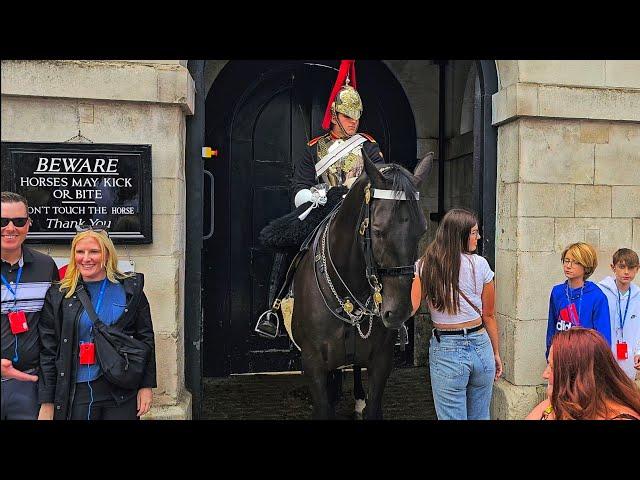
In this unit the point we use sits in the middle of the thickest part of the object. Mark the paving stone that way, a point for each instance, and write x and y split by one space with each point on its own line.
407 396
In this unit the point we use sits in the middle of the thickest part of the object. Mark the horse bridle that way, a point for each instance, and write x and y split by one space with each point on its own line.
372 271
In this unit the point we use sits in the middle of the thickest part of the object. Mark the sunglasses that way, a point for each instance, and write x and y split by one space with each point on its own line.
17 222
85 228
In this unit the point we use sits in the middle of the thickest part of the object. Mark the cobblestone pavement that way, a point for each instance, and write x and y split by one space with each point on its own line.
407 396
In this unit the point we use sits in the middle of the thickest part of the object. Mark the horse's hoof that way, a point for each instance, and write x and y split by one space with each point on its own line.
359 409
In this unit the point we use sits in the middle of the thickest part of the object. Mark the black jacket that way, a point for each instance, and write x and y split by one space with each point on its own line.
39 271
58 333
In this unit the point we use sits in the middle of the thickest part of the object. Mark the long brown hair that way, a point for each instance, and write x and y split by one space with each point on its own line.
588 383
440 270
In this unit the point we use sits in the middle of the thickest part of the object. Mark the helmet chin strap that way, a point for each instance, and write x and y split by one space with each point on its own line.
339 123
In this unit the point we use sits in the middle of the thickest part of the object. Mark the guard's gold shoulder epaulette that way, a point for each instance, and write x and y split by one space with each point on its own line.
313 141
368 137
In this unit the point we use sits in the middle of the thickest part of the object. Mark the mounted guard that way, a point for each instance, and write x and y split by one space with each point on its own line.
329 166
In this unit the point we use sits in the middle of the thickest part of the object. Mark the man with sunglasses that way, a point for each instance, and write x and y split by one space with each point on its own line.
26 277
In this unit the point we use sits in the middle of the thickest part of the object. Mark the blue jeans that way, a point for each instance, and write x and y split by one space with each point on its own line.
462 371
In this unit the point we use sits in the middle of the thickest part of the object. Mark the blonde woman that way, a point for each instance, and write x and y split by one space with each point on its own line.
73 385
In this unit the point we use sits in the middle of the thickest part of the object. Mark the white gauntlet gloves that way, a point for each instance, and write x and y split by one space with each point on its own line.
316 195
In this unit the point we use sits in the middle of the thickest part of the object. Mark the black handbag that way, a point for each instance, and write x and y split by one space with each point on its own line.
122 357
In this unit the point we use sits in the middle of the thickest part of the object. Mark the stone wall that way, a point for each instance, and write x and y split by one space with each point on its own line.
568 171
141 102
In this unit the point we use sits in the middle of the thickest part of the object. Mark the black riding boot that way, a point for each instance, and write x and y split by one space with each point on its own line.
266 323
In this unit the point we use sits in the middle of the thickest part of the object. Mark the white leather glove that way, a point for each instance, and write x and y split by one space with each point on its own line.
303 196
311 194
316 195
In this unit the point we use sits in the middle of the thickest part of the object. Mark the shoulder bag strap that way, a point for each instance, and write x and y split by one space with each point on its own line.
470 303
86 303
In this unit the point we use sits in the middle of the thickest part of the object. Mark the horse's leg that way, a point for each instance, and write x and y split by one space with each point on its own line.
317 375
358 392
378 370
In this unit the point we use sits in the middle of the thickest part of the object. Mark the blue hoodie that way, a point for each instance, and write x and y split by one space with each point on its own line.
588 308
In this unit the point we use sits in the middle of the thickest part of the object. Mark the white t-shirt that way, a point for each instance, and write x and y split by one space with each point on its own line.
474 273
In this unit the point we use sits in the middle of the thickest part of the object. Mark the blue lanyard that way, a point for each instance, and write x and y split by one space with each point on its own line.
15 301
626 310
98 303
579 298
8 285
100 295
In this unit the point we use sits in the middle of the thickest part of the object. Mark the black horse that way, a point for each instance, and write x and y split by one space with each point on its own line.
357 278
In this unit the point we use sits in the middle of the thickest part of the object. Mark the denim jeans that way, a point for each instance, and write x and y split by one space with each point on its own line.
462 371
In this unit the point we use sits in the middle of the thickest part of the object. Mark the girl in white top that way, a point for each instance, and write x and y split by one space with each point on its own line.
464 358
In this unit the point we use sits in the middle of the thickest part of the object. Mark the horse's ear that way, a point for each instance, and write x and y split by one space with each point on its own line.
424 167
376 177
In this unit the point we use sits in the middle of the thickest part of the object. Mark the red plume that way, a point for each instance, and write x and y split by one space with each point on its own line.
346 66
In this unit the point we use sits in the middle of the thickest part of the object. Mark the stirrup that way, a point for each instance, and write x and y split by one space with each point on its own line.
268 313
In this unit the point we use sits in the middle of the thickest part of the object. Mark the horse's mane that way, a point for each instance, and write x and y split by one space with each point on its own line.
401 181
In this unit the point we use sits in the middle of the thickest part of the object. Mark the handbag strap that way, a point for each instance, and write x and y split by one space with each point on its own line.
86 303
470 302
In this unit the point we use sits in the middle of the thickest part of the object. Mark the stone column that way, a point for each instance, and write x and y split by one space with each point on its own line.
141 102
568 171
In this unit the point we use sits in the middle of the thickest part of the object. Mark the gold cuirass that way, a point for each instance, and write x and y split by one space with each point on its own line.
347 167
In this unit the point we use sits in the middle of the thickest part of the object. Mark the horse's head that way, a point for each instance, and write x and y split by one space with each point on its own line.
397 223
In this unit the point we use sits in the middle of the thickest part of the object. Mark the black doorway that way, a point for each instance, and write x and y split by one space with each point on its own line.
259 114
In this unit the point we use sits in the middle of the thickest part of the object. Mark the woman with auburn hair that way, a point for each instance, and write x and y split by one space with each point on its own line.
585 382
464 358
73 386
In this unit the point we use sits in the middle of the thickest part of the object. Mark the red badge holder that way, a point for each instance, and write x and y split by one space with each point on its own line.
18 322
622 350
87 353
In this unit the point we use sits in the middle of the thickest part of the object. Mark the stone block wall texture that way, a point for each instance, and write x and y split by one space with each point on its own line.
137 102
568 163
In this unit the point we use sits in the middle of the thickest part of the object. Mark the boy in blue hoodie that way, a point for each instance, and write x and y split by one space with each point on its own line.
577 302
624 309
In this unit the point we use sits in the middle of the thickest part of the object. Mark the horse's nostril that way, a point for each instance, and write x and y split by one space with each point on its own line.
387 314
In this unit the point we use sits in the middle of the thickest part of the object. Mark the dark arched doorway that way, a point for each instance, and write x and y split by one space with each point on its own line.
259 115
207 280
